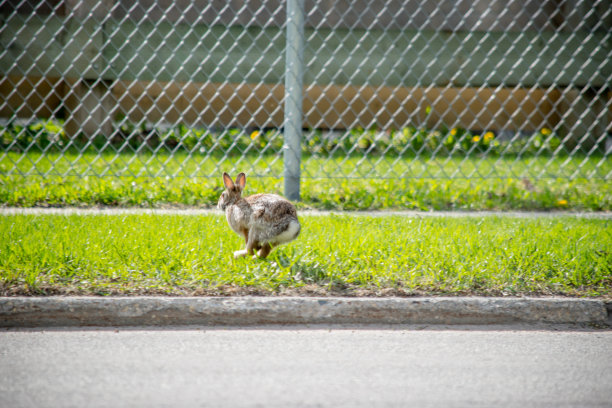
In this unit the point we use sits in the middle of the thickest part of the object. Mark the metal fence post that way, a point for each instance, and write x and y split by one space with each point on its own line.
294 70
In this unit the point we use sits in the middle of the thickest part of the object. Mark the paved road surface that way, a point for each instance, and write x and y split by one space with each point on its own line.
284 367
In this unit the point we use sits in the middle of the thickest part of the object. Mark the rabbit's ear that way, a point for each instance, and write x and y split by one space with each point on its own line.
241 180
227 181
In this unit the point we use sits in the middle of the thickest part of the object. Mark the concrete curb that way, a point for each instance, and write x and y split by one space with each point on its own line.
250 311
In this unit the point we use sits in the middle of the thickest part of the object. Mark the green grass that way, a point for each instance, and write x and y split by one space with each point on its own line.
339 255
426 183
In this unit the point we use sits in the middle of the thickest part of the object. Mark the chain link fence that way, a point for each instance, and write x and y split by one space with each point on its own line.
362 89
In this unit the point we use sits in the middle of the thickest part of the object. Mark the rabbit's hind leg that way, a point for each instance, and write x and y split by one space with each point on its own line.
240 254
265 250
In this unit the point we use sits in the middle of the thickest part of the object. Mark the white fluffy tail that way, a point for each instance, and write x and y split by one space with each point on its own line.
289 234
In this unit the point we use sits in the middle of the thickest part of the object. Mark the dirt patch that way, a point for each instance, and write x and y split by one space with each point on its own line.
310 290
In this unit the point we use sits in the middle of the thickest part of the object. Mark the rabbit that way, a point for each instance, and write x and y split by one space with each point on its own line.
264 220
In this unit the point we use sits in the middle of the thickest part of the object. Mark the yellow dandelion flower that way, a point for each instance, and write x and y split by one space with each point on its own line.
254 134
562 202
453 132
488 136
476 139
545 131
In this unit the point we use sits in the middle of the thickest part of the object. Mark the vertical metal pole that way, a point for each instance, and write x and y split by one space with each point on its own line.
294 70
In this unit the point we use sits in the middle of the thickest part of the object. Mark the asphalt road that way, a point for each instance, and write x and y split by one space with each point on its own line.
321 366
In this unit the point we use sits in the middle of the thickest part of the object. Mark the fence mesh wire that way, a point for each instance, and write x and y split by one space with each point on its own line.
431 89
